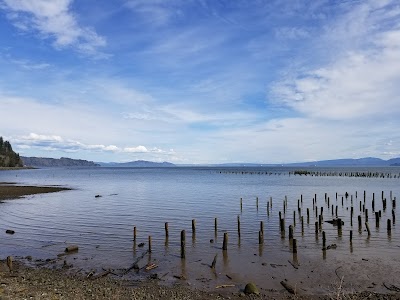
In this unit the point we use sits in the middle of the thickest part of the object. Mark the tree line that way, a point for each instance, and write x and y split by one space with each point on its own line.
8 158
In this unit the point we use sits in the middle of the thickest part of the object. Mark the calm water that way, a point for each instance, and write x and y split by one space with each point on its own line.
147 198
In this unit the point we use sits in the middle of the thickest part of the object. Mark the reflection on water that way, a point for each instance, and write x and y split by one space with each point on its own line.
218 201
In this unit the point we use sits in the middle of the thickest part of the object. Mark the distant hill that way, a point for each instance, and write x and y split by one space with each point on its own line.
356 162
8 158
139 164
44 162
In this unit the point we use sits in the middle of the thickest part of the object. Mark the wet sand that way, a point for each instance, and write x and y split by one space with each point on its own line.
10 191
57 281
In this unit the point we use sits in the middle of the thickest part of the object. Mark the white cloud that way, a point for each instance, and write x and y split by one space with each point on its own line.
138 149
361 80
53 19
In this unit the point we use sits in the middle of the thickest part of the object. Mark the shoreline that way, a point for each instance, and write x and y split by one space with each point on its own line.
55 280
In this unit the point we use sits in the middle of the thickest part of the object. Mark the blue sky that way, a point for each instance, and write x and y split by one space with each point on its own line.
201 81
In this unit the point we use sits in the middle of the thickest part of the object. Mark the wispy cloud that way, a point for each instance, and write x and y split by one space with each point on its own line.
54 20
361 79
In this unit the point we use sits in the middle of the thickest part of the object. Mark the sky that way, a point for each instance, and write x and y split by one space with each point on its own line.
201 81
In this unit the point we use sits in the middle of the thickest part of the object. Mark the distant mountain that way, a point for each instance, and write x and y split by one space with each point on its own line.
139 164
357 162
44 162
8 158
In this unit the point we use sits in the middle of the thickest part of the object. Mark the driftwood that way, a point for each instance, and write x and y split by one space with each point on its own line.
151 267
134 265
288 287
71 248
391 287
224 286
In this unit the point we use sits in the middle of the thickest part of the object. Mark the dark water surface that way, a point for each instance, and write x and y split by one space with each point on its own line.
148 197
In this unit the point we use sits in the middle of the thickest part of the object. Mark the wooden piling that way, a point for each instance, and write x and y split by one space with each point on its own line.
260 237
238 225
367 226
257 202
302 225
214 262
294 218
134 233
294 245
225 242
183 243
339 224
241 204
351 236
323 240
149 243
389 225
308 215
359 223
377 219
366 215
166 229
393 216
193 225
316 227
290 232
262 226
215 224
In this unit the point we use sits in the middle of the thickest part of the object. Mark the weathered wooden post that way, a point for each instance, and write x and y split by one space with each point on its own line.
238 225
183 242
366 215
389 226
367 226
241 204
225 242
351 236
359 223
320 222
262 226
134 233
214 262
193 226
308 215
260 237
302 225
316 228
377 219
393 216
257 202
294 242
166 229
323 240
290 232
215 225
294 218
149 243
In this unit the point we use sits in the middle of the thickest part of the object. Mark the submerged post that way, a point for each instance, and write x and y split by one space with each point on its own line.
215 224
193 225
134 233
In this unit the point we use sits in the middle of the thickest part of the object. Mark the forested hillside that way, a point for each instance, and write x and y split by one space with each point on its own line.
8 158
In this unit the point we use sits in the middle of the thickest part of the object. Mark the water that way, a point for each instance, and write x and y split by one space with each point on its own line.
148 197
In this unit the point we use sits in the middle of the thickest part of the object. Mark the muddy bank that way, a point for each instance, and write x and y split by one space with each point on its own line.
58 281
10 191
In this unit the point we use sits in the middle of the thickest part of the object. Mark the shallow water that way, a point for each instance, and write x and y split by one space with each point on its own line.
147 198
